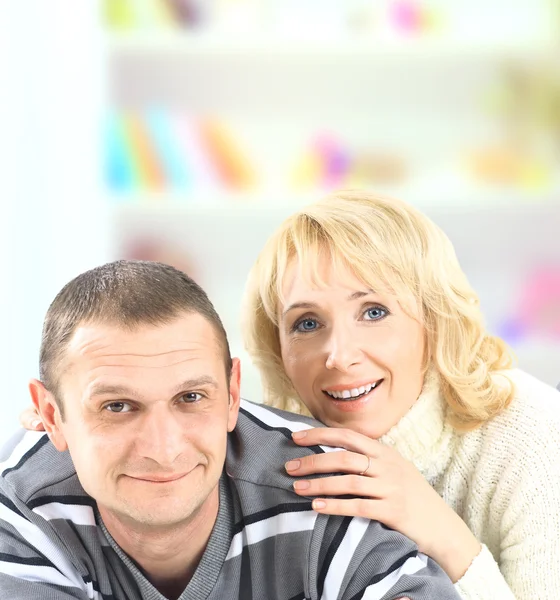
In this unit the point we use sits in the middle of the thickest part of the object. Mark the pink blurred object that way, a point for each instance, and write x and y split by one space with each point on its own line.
539 305
335 160
406 15
144 248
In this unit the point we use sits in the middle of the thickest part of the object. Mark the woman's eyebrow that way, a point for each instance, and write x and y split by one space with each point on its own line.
299 305
357 295
352 296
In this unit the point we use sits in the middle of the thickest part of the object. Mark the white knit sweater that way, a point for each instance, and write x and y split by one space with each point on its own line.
503 479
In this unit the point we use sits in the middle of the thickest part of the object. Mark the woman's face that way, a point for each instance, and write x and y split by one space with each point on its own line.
353 356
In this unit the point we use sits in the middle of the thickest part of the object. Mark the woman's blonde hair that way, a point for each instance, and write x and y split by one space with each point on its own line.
390 246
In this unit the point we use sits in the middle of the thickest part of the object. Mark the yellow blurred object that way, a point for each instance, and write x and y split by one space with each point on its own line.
142 14
495 165
163 13
370 168
528 103
118 14
431 21
308 172
534 176
503 165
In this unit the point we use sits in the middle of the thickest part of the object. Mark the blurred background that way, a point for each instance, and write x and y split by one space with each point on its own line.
185 130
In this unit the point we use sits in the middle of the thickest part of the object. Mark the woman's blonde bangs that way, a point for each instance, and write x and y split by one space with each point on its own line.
309 238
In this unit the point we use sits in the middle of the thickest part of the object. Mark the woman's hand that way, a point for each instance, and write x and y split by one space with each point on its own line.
389 489
30 419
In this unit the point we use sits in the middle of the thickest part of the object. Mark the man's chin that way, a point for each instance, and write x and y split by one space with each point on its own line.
161 514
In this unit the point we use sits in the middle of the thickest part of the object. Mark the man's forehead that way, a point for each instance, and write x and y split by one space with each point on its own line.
185 331
143 374
178 343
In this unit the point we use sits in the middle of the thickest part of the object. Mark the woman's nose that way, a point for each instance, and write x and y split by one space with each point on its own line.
343 351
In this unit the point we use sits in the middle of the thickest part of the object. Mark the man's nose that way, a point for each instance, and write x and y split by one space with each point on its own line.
160 437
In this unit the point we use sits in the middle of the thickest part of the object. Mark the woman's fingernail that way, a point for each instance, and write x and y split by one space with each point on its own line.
301 485
35 423
319 504
292 465
298 435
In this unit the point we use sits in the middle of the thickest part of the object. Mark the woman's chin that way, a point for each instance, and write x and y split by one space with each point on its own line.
371 428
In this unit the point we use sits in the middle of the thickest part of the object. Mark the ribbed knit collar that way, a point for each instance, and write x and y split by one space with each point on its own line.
423 436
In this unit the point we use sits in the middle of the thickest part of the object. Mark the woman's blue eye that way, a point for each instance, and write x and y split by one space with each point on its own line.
375 313
306 325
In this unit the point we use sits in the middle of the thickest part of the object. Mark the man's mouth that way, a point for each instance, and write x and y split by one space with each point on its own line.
160 478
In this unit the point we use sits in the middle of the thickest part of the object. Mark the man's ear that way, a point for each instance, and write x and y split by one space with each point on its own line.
49 411
234 393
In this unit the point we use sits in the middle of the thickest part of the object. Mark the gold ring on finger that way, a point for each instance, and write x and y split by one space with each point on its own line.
368 465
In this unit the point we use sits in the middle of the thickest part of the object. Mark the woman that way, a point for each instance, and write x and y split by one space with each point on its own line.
357 312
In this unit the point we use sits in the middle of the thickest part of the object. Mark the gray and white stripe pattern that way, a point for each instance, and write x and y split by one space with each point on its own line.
267 543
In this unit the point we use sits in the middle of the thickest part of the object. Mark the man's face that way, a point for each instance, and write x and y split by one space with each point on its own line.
146 417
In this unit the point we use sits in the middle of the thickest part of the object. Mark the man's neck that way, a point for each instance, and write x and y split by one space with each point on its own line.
168 556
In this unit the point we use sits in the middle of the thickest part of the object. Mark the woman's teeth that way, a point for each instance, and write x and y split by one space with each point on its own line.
353 393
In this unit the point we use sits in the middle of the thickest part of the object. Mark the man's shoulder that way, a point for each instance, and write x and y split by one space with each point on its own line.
48 530
261 444
33 468
272 418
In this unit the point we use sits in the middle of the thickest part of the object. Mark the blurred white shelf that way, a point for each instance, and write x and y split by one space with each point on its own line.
465 199
198 44
219 201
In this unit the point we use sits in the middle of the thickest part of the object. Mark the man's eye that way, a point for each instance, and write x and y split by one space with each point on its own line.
191 397
118 407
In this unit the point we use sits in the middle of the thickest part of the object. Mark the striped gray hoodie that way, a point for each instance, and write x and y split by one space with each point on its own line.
267 542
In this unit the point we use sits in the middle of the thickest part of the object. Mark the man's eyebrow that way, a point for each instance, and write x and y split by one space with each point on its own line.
124 390
207 380
103 389
353 296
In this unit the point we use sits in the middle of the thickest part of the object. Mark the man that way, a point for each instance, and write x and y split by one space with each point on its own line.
126 496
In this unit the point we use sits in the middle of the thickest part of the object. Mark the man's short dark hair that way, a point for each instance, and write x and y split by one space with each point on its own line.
125 293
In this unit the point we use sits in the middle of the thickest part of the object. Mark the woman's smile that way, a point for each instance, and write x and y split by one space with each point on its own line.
350 399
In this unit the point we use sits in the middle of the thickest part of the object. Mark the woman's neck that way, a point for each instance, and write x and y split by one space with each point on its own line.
423 436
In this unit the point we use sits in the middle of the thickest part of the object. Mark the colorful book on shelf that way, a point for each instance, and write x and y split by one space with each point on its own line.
147 166
119 170
202 170
233 167
173 160
158 151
